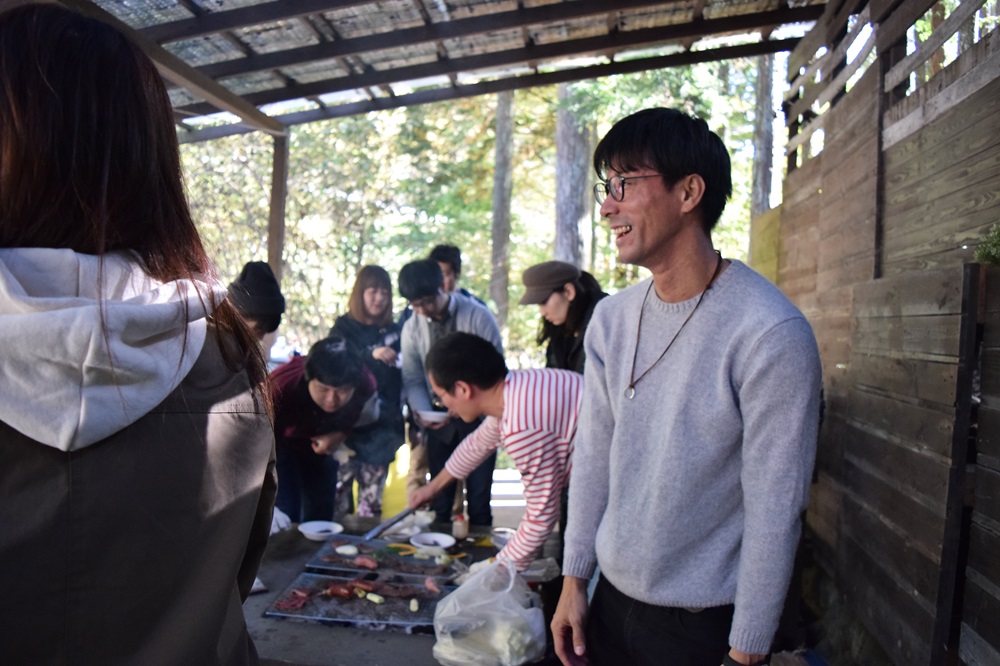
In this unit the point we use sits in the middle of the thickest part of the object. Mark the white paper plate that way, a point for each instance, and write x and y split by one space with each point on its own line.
432 417
320 530
433 540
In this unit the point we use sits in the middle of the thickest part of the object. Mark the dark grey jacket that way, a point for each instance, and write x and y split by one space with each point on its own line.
139 549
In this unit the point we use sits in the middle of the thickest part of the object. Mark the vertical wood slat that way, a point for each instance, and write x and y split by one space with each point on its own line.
950 572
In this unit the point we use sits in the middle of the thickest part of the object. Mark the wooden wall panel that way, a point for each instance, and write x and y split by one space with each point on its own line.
765 243
799 231
895 474
941 187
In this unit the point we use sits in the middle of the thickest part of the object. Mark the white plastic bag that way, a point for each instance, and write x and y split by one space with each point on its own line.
493 619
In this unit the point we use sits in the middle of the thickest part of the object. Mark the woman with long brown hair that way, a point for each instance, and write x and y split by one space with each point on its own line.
372 336
136 451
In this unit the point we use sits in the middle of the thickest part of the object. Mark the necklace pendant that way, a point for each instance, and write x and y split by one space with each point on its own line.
630 392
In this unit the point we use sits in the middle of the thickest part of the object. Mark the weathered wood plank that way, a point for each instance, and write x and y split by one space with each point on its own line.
928 293
976 114
893 550
984 552
853 120
830 452
981 610
973 650
933 335
847 271
924 524
850 178
957 231
953 258
966 165
803 184
915 437
988 435
898 622
923 380
822 516
896 25
912 466
988 493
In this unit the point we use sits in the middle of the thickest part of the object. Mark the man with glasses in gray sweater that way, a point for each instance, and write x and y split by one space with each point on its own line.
698 424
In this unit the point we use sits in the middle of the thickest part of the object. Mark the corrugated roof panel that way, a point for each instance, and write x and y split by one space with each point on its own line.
225 5
142 14
638 19
461 9
469 78
553 33
205 50
278 36
315 71
375 18
490 42
251 83
402 57
724 8
182 97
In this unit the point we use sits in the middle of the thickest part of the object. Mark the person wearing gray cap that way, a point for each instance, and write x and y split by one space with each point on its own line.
566 297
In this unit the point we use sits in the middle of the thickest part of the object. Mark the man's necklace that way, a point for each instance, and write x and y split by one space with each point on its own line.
630 391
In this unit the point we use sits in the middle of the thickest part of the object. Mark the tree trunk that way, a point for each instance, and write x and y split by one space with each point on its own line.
502 186
763 136
573 207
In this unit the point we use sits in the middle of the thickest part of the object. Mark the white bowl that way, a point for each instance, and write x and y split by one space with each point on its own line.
501 535
432 540
320 530
429 416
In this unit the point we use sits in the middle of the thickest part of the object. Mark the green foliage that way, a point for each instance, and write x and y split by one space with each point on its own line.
988 250
385 187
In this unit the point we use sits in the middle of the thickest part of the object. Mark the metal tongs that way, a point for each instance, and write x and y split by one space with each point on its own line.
386 524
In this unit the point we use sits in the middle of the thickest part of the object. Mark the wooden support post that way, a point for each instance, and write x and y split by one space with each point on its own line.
279 193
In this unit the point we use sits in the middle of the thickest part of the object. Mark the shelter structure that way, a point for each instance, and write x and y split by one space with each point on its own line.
893 156
236 66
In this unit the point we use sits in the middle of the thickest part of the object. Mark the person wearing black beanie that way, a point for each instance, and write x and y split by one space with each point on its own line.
257 296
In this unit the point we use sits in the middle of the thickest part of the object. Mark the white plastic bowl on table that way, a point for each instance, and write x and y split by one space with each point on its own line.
320 530
430 416
432 540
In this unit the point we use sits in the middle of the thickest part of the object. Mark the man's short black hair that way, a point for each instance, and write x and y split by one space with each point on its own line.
675 145
448 254
331 363
420 279
467 358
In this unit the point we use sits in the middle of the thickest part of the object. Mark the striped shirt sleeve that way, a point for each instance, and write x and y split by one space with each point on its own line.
537 429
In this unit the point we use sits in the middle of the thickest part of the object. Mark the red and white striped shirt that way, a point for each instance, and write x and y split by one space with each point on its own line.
537 429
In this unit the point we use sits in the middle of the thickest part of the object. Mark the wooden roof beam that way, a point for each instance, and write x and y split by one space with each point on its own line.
457 29
180 73
511 83
242 17
531 54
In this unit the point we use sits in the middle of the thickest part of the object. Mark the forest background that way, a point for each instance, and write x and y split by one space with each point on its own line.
385 187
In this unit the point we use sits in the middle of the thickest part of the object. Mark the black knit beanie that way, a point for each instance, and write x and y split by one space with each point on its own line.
256 292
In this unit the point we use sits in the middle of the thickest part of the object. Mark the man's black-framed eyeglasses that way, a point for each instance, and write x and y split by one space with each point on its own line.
615 186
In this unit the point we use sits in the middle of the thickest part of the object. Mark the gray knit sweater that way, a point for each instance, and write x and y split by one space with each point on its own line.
690 494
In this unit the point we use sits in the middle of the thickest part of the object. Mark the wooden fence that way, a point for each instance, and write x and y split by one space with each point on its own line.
894 177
